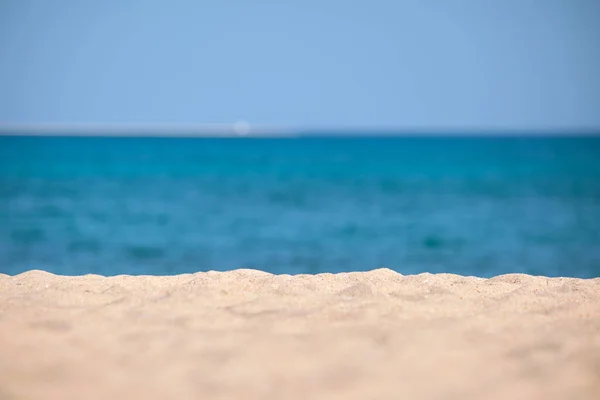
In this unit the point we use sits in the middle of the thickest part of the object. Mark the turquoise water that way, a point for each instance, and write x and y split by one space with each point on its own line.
472 206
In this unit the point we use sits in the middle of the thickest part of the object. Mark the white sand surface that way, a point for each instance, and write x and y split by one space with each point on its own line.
251 335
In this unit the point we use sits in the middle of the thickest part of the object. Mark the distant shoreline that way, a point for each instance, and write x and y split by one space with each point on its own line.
274 131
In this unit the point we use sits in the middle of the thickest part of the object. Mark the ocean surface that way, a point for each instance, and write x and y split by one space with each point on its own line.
161 206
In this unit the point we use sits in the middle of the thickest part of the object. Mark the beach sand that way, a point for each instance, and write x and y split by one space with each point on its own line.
251 335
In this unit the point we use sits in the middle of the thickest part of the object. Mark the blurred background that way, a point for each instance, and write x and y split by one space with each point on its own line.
300 137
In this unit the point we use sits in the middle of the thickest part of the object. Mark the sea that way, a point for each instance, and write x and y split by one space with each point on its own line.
469 205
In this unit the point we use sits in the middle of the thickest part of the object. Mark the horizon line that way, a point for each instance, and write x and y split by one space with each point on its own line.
245 129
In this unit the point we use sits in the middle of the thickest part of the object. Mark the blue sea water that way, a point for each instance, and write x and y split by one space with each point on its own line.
464 205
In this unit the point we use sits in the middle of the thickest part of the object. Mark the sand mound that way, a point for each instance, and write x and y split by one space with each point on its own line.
252 335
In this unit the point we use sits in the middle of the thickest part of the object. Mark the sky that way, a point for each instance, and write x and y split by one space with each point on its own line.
511 64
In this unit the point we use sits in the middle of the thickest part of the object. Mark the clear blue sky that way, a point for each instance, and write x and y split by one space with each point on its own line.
418 64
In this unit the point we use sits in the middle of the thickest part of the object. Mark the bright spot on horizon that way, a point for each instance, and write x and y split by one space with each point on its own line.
241 128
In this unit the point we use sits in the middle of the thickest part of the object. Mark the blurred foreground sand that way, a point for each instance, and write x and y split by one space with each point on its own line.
251 335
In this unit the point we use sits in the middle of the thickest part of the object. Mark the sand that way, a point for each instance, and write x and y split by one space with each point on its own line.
251 335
